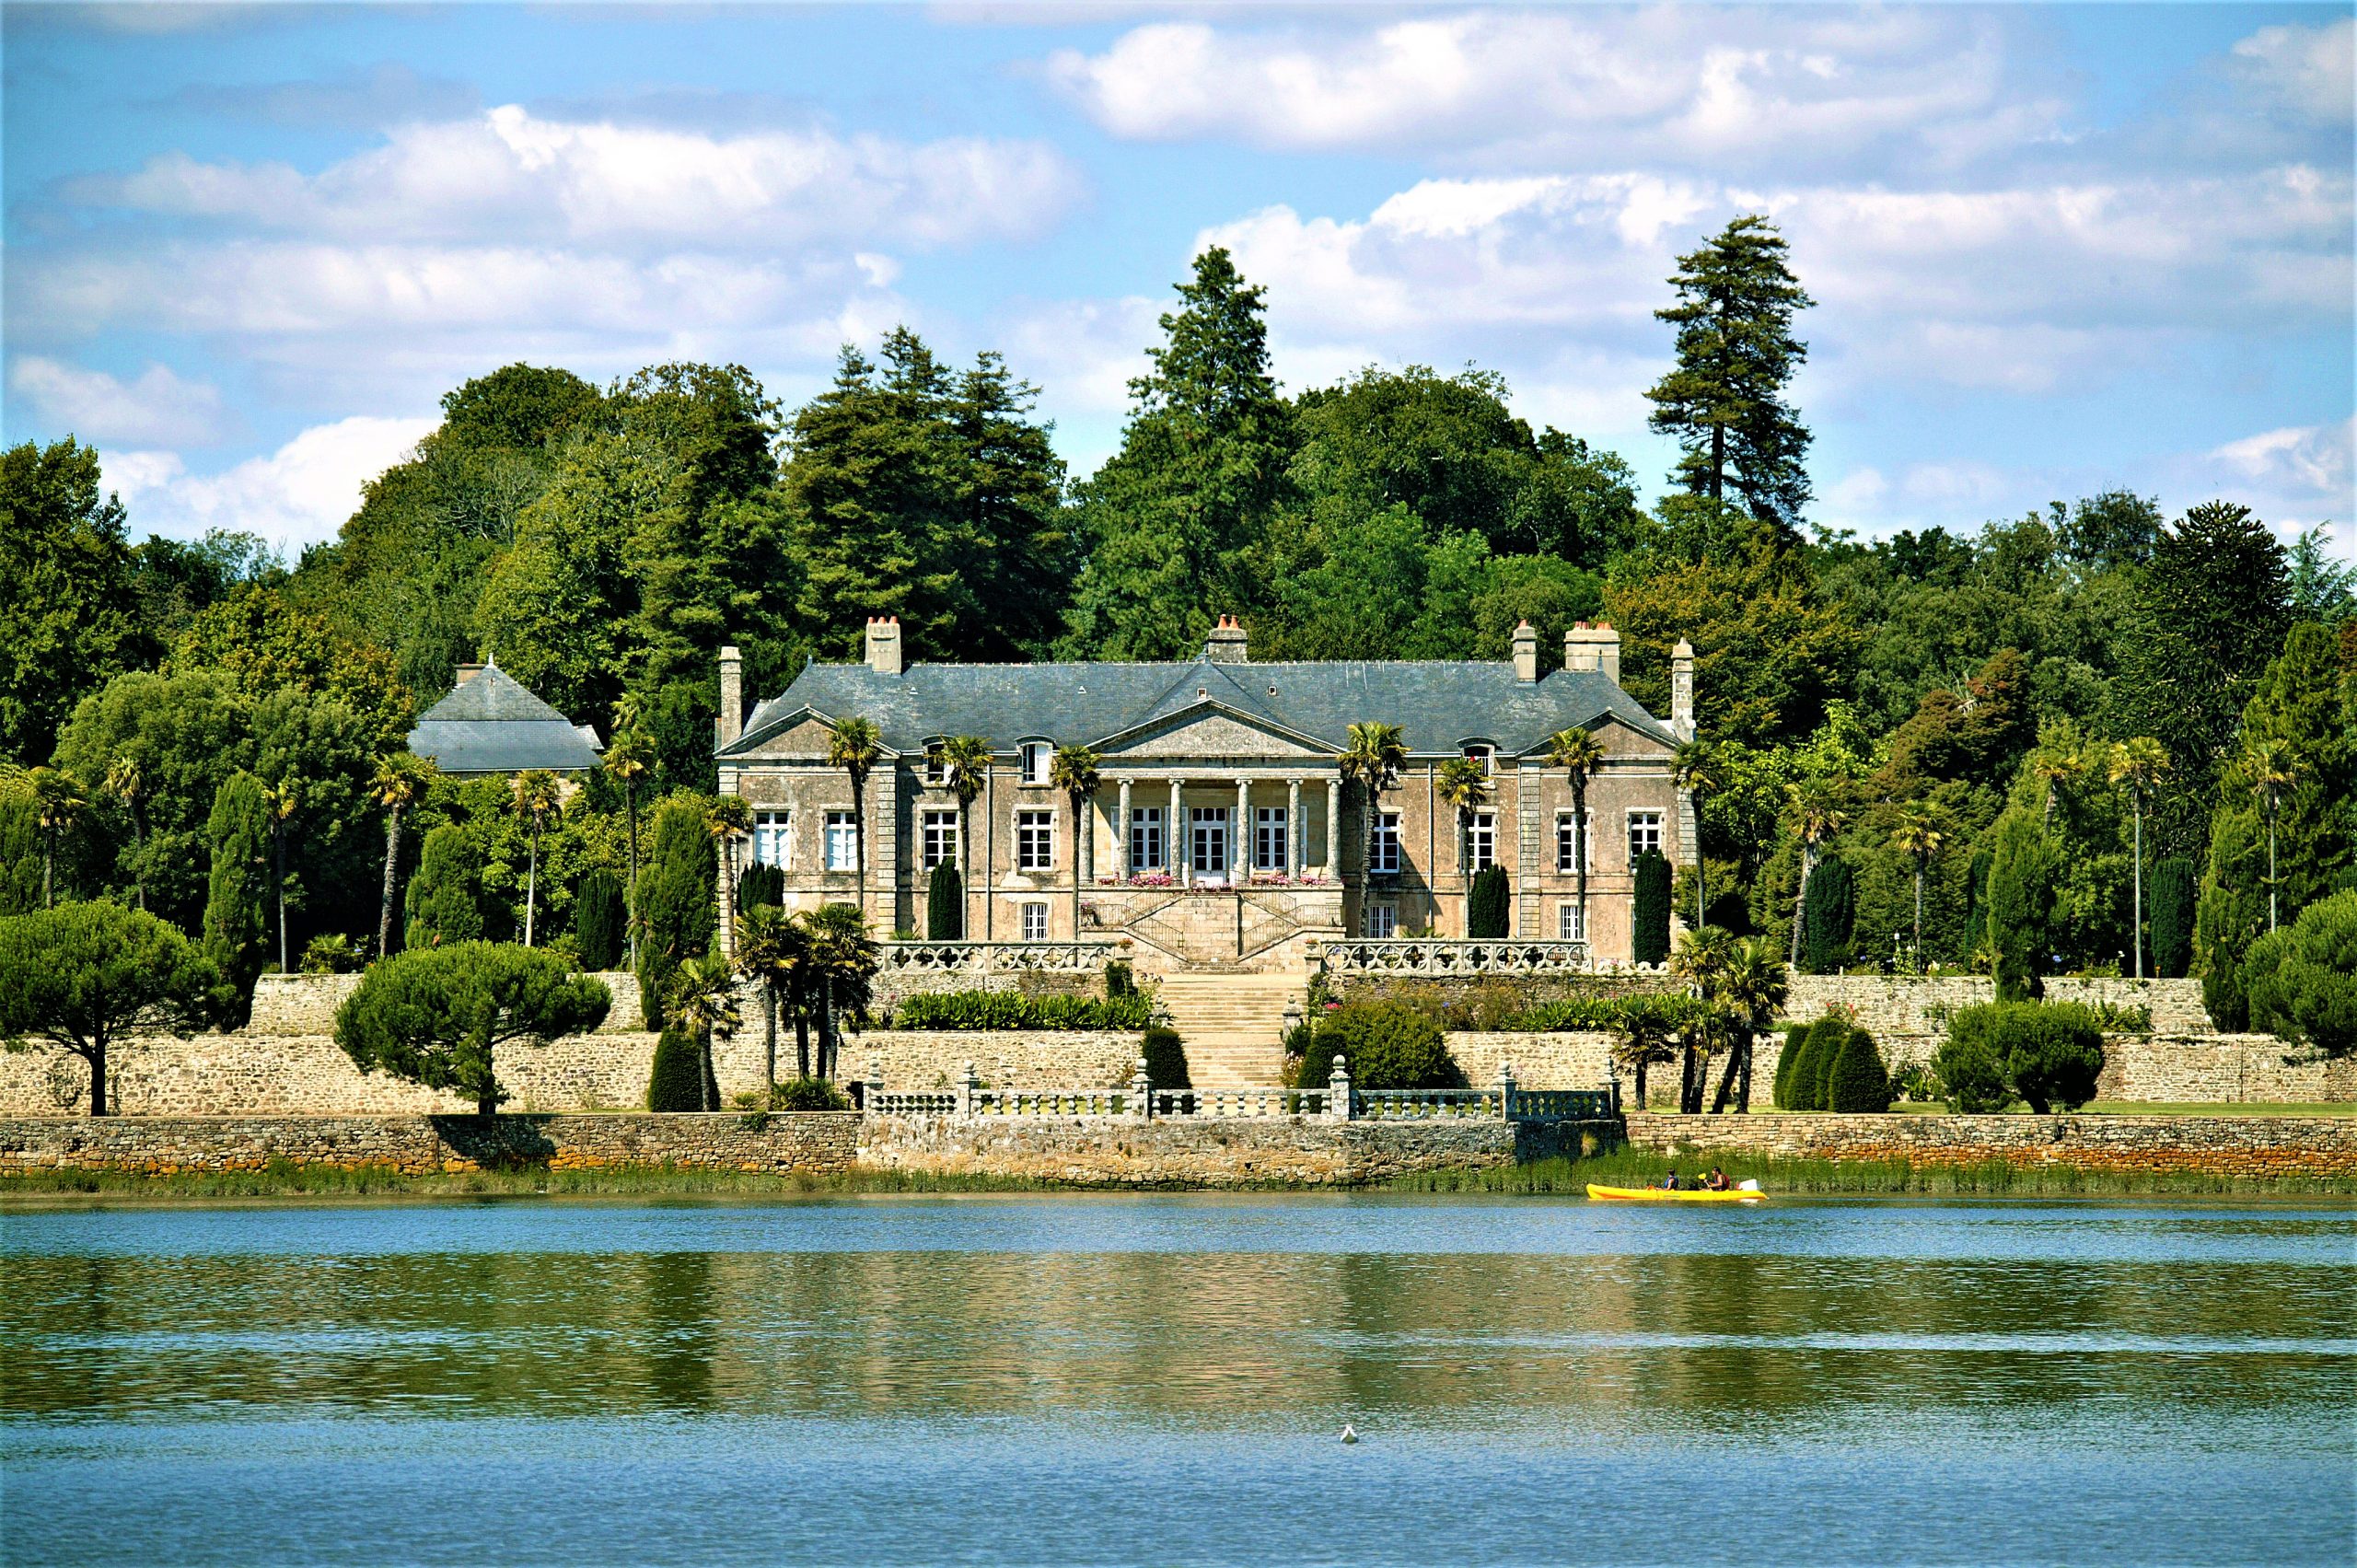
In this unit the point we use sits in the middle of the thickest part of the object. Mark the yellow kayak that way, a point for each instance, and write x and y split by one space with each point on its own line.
1663 1195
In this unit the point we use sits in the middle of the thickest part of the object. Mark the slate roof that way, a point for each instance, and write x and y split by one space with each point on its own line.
490 724
1438 705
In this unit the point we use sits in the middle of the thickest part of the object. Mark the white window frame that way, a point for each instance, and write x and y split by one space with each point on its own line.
774 838
1035 840
936 768
1384 855
1035 921
1207 825
937 839
1481 840
1271 839
1379 921
1565 866
1485 754
1650 819
1569 927
1147 845
1035 756
846 824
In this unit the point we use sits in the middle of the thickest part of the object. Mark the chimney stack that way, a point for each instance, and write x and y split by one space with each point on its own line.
467 672
732 695
1596 648
1525 652
884 644
1226 645
1681 689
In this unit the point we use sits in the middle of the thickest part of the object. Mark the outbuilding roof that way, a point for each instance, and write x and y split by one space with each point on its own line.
1439 705
489 723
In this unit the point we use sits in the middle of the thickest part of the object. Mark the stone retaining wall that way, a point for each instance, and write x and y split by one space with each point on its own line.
306 1004
1006 1059
1892 1005
815 1141
2214 1069
1579 1058
2218 1146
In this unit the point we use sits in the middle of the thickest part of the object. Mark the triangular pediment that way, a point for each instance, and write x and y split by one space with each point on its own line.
1207 727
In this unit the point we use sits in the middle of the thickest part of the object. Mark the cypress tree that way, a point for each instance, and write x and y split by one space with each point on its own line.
597 920
760 885
1807 1046
1649 941
1796 1035
1486 917
944 905
1858 1081
675 1081
1827 916
2021 897
1832 1035
444 903
675 900
237 897
1165 1059
2172 928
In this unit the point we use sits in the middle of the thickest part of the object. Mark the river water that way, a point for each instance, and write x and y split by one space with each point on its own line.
1162 1379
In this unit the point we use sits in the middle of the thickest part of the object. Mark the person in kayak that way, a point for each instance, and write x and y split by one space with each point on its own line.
1716 1181
1669 1182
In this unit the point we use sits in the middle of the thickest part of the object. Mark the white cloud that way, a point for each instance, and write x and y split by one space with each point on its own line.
2313 462
297 495
158 408
521 179
2311 71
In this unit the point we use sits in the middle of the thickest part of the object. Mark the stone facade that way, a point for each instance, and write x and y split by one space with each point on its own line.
2215 1146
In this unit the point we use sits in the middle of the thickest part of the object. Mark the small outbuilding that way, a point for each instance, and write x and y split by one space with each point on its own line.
489 724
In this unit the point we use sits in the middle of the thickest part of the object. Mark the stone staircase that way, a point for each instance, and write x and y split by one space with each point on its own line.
1232 1025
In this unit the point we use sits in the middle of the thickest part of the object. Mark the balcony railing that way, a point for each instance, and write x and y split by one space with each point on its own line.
995 958
1434 955
1335 1101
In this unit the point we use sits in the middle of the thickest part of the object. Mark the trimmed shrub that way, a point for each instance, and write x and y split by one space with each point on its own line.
444 903
2303 979
808 1094
1166 1059
1796 1036
2048 1054
1805 1085
944 905
2169 918
1386 1045
1486 911
758 884
675 900
597 920
1012 1010
1826 914
1858 1081
675 1082
1649 936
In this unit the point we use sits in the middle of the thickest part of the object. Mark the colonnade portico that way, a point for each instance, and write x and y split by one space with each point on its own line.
1170 793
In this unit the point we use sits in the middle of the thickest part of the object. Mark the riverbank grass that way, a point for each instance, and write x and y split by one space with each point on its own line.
1811 1178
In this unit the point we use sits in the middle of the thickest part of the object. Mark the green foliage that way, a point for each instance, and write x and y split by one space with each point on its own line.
2302 980
1120 980
1806 1083
1795 1037
437 1015
21 849
235 907
1649 936
1013 1010
675 900
675 1082
1828 912
331 954
2022 865
944 904
1857 1080
81 976
444 903
759 885
67 619
2170 888
1165 1059
2048 1054
808 1094
1489 908
598 920
1386 1045
265 646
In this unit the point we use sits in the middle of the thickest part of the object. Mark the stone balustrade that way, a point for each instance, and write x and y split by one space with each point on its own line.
1337 1101
1437 957
997 957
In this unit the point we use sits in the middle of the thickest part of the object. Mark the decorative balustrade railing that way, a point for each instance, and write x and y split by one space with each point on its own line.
1337 1101
1431 1105
1242 1102
880 1101
995 958
1565 1104
1054 1102
1432 955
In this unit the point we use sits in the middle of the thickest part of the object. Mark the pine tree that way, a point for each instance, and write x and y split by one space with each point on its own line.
236 903
1724 401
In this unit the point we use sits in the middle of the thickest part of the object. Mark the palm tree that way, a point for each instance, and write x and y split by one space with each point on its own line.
965 768
728 818
1579 754
2056 765
1074 769
1698 772
1816 818
1371 758
1750 985
1647 1024
124 781
538 801
1921 835
856 746
1464 785
773 950
58 804
282 800
843 960
1701 960
2139 762
630 759
703 997
400 782
2272 769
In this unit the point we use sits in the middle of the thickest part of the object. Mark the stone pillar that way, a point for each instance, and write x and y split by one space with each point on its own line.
1333 828
1239 863
1505 1091
1297 831
1174 842
1140 1092
1337 1092
1122 836
968 1085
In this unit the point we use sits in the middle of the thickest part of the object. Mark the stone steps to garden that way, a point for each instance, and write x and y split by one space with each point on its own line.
1232 1025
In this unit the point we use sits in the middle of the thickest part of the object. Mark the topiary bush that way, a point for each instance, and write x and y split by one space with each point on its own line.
675 1081
1165 1059
1804 1084
597 920
1826 914
944 905
2048 1054
758 884
2169 918
2302 980
1796 1036
1857 1082
1649 934
1486 909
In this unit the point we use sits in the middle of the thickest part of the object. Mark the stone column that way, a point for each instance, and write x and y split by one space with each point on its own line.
1333 828
1239 865
1297 831
1174 842
1121 835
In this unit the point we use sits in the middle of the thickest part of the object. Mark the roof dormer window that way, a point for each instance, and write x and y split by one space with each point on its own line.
1035 756
1481 751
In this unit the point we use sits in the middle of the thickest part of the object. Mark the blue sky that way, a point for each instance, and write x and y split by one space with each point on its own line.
2054 249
